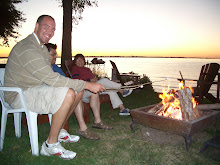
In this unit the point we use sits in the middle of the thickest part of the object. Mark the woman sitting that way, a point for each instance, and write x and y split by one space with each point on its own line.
79 71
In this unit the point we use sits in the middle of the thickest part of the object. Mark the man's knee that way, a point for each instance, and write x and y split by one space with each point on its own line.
71 95
80 94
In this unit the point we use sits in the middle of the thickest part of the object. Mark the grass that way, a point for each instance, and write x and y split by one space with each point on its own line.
117 146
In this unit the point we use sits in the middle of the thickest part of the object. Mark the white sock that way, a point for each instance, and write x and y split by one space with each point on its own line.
51 145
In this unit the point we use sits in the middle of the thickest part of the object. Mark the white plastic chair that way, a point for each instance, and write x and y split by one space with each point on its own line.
30 116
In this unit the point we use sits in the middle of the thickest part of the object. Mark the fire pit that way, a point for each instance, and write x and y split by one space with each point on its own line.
175 126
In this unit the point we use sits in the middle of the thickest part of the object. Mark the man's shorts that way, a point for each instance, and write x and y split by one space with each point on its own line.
43 99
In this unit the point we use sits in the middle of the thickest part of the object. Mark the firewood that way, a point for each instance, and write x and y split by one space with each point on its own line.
159 110
158 107
196 112
155 108
164 108
186 105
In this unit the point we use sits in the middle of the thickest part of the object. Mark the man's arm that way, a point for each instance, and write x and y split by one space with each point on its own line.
36 69
94 87
95 79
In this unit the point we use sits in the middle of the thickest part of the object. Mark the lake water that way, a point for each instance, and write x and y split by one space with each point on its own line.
158 69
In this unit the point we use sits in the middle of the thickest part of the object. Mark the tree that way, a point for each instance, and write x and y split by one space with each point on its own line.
11 20
72 13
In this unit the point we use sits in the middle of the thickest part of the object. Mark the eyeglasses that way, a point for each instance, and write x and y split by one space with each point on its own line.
54 54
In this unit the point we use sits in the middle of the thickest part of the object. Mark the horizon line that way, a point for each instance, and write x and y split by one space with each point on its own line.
147 57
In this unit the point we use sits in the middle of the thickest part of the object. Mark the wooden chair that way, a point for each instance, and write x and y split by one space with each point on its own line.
122 77
103 98
116 72
206 79
68 65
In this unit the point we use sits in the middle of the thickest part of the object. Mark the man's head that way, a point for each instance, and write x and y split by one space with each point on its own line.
52 52
45 28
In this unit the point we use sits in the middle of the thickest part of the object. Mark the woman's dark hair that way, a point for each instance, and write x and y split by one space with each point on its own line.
78 56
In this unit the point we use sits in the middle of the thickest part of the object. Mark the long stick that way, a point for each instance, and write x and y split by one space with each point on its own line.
135 86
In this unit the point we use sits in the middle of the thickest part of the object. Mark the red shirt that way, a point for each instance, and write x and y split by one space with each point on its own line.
81 73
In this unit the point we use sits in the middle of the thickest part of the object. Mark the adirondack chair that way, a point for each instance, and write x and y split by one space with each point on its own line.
115 71
206 79
132 77
103 98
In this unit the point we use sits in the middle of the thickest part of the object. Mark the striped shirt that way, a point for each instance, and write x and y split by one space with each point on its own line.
29 65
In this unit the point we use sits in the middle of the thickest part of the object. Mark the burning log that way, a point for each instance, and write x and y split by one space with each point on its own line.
176 104
156 108
159 107
185 97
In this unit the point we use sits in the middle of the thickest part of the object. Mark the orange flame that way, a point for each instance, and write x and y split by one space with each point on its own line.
181 85
171 104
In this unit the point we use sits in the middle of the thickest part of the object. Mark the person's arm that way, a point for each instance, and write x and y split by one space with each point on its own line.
37 66
94 87
95 79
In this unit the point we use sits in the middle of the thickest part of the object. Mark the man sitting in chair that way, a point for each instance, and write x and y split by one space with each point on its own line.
29 68
79 71
94 103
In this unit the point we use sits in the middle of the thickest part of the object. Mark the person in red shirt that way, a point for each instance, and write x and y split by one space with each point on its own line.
79 71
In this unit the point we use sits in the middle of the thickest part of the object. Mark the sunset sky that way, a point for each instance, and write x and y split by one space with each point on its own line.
164 28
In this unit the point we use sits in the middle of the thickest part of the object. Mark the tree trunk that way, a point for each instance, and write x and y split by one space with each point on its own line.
66 53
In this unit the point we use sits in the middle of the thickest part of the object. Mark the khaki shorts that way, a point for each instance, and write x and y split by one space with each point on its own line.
43 99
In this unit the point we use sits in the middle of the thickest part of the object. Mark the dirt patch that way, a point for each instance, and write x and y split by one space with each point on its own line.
160 137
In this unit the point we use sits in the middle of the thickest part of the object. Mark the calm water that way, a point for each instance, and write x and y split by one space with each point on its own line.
158 69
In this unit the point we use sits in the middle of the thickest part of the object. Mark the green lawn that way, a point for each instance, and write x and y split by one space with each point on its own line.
117 146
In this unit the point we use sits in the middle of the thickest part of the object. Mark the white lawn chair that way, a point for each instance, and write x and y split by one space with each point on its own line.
30 116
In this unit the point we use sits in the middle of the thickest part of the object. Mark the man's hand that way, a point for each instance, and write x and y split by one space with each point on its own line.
94 87
94 79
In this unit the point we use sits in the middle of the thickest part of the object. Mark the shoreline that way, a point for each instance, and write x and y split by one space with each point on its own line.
135 57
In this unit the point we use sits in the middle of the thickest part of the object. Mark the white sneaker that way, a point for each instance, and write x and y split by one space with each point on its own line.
64 136
58 150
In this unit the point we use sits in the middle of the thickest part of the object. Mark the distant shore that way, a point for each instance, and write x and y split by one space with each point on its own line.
136 57
149 57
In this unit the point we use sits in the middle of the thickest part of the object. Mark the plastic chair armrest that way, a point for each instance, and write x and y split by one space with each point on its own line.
18 90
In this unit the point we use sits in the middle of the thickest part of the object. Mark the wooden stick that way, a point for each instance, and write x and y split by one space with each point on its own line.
182 79
159 107
134 86
155 108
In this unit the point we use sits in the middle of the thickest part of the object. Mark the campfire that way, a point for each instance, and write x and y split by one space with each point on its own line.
177 113
177 104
